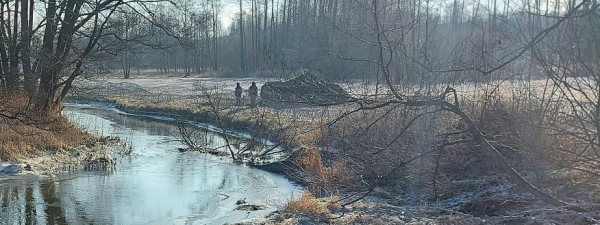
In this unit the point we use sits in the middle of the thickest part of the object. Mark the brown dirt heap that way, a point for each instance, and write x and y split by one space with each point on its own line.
308 88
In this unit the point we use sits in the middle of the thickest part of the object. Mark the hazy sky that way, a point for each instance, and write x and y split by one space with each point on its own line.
231 7
228 13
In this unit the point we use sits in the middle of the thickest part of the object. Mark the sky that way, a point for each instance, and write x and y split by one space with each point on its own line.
231 7
228 13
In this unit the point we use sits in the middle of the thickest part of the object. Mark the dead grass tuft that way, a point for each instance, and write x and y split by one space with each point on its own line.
333 203
311 160
307 205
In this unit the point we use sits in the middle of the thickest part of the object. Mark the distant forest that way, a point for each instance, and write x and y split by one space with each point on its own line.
414 41
381 42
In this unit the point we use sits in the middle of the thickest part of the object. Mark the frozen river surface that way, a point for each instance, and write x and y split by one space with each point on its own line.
154 185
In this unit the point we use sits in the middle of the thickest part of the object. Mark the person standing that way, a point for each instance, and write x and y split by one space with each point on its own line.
238 94
253 93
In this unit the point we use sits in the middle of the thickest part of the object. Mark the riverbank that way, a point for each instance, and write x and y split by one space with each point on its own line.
297 128
307 209
155 182
360 154
49 163
41 147
251 124
293 129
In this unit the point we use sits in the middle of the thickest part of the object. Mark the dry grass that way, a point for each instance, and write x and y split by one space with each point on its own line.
519 123
292 132
538 132
307 205
311 160
19 139
333 203
367 148
364 147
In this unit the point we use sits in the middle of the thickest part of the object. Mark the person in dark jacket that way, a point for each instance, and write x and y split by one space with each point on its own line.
253 93
238 94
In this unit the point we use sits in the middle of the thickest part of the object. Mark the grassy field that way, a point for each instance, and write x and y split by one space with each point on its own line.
397 155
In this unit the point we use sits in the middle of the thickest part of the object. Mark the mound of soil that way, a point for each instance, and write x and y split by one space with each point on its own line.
307 88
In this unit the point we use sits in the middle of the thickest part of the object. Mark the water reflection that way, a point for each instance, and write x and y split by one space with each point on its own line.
21 204
155 186
53 207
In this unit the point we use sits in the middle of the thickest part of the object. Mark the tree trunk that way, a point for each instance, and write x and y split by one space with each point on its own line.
47 63
265 19
30 81
9 79
13 49
126 65
215 35
242 44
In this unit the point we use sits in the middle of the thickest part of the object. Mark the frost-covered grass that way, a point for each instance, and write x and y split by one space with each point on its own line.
208 100
459 186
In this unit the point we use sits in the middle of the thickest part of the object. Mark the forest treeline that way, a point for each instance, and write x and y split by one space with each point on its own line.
416 41
422 42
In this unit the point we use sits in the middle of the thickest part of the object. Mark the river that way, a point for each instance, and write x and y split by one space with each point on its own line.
156 184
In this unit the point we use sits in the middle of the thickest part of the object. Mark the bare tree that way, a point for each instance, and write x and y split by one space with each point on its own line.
68 33
382 34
